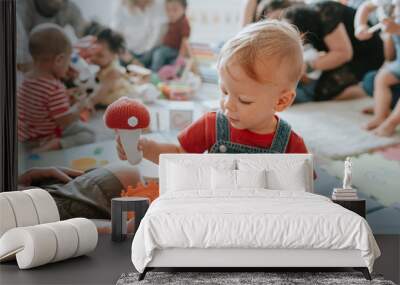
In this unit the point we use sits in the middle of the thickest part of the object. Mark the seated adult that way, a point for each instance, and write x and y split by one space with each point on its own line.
31 13
79 194
344 60
61 12
143 24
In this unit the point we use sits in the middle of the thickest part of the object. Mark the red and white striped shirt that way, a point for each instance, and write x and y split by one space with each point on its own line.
40 102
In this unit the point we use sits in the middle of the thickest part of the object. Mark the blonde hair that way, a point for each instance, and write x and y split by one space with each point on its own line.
263 41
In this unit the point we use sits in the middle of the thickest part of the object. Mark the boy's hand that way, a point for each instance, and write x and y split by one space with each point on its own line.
144 145
362 33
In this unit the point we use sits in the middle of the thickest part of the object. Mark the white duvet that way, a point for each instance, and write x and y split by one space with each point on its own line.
250 219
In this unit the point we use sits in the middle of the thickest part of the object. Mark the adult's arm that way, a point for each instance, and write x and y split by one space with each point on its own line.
339 51
249 10
76 19
361 21
185 49
37 173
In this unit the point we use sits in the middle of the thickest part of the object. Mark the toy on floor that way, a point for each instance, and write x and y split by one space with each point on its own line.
86 80
86 163
148 93
34 156
128 117
138 74
98 151
176 91
151 191
177 81
142 77
171 71
84 116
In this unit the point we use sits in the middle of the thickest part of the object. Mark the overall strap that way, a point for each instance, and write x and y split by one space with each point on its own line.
281 138
222 127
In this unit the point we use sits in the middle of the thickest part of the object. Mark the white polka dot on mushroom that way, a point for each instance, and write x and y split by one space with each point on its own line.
132 121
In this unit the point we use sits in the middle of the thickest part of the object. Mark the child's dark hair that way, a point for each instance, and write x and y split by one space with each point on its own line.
182 2
267 6
114 40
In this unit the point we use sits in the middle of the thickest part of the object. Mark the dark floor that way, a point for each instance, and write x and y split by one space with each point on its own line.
103 266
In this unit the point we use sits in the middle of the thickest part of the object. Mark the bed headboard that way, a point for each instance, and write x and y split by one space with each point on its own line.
288 161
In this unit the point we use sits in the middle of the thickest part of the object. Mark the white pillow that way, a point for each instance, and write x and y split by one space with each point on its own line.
194 174
182 177
223 179
282 174
235 179
293 179
251 179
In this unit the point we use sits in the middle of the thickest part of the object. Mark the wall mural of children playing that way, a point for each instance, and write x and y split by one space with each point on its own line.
386 95
113 82
251 96
254 87
176 41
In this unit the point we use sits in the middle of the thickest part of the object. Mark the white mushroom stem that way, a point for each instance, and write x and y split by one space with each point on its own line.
129 140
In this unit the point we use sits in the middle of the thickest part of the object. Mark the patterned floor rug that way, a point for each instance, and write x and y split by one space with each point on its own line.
243 278
333 129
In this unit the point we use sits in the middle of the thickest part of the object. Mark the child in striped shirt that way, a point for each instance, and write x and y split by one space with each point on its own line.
46 121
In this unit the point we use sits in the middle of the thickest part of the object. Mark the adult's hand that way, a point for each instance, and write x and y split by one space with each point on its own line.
362 33
391 27
62 174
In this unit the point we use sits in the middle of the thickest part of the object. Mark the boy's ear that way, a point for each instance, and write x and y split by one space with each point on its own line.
59 58
285 100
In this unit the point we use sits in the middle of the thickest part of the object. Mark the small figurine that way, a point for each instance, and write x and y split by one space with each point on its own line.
347 174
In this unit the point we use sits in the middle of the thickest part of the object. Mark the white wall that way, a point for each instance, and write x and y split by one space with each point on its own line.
99 10
211 20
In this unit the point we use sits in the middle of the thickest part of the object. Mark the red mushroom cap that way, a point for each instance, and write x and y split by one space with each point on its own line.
127 114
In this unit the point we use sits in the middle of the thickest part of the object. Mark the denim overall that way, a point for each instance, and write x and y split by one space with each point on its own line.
224 145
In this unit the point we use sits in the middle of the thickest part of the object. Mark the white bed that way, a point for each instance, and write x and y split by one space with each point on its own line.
202 220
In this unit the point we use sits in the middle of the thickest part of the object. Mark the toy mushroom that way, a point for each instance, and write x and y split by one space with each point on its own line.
128 117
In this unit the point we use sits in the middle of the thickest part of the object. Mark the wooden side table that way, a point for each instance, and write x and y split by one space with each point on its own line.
357 206
119 208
